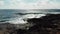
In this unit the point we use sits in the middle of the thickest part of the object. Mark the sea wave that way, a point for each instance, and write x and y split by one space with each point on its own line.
21 16
23 19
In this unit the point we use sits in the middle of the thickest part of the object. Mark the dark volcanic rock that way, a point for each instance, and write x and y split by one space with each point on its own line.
43 25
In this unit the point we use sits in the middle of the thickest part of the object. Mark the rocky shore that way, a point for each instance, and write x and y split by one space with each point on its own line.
49 24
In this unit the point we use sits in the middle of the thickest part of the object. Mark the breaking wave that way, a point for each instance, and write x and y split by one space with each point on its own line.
23 18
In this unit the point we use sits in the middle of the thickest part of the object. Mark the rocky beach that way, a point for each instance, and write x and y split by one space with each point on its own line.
49 24
29 22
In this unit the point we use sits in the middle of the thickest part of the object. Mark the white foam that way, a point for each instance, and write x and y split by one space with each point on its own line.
19 19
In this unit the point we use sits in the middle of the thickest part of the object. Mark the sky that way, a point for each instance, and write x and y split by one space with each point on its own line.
29 4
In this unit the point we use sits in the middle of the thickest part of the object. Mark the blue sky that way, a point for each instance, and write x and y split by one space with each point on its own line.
29 4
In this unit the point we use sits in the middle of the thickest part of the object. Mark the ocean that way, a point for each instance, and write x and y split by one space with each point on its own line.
16 16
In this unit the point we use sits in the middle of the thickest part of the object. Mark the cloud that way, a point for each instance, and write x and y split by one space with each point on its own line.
1 3
48 5
39 4
29 1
